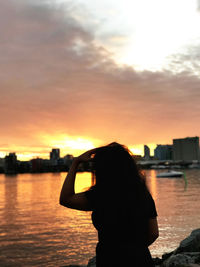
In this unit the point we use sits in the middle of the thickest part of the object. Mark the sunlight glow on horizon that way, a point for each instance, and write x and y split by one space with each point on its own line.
2 154
74 145
67 145
139 149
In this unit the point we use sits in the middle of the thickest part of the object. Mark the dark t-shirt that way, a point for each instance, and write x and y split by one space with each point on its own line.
121 220
122 227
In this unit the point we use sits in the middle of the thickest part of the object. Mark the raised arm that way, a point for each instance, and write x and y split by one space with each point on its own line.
68 198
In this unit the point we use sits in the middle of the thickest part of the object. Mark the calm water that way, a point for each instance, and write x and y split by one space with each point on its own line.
36 231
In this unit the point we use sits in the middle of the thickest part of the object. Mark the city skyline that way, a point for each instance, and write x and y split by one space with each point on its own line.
183 153
77 77
146 151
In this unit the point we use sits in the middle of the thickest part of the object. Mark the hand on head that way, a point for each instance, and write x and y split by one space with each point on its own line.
86 156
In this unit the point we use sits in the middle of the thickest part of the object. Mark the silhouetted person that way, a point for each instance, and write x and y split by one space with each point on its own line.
124 212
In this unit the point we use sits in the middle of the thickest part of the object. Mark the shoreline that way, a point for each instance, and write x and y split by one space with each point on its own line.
88 170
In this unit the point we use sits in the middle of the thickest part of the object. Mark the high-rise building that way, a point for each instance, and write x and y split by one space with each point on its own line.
186 149
146 152
55 154
11 163
163 152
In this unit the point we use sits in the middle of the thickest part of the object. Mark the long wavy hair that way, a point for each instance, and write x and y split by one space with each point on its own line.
116 172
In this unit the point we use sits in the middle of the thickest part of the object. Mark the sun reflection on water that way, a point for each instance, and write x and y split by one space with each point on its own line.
36 230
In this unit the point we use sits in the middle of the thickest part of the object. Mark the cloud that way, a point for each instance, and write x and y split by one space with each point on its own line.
188 59
54 78
198 5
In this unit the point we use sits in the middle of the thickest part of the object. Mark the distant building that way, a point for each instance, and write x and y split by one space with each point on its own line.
146 152
163 152
55 156
55 153
68 160
10 163
186 149
36 165
2 162
137 157
24 166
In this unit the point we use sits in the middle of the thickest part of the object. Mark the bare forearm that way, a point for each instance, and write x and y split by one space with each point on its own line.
68 185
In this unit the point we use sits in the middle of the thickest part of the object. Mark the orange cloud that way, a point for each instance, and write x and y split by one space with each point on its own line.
56 81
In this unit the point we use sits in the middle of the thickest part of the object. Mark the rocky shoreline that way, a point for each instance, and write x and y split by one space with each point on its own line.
187 254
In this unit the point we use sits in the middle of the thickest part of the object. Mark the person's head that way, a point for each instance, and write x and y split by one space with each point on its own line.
114 168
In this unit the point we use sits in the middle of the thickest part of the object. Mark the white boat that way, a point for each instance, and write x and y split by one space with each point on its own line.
194 166
158 167
169 174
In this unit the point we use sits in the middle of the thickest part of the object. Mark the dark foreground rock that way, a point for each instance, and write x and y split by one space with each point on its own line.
186 255
191 243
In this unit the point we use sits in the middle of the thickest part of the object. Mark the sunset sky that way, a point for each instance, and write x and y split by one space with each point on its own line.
82 73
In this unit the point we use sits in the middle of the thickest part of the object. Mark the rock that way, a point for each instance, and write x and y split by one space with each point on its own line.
190 244
189 265
157 261
167 255
182 259
187 254
92 262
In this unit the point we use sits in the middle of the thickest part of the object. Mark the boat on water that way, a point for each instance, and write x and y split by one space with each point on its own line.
159 167
169 174
194 166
